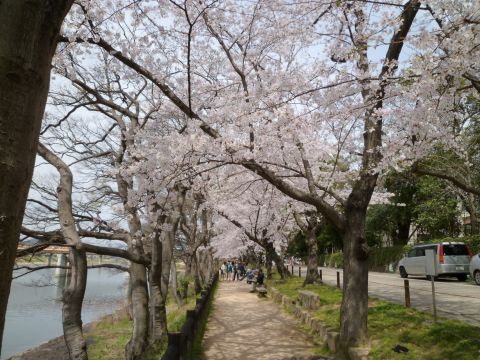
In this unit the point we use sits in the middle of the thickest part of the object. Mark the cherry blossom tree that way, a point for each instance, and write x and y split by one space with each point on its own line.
319 100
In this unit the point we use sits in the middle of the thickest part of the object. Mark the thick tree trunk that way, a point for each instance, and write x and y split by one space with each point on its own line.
312 262
72 305
139 340
354 309
28 34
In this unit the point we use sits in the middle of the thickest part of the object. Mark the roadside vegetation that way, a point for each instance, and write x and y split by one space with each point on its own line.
390 325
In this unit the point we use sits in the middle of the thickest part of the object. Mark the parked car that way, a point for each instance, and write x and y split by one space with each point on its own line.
452 259
475 268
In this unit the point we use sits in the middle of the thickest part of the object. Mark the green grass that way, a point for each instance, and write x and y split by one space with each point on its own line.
107 339
391 324
197 348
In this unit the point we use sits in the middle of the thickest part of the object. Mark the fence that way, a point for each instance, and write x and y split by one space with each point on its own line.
180 344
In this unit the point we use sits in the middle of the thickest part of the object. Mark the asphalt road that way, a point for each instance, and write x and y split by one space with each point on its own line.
454 299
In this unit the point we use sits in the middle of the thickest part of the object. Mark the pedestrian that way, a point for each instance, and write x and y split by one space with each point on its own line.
235 271
223 271
260 277
254 280
241 270
229 270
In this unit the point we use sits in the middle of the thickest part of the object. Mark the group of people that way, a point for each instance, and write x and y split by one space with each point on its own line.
232 270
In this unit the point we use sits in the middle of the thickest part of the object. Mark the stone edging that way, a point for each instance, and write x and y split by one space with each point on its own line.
327 334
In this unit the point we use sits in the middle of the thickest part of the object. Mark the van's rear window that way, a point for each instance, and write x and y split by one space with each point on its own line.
457 249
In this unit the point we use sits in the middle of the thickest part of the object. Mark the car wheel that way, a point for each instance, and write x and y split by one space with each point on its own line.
476 277
403 273
462 277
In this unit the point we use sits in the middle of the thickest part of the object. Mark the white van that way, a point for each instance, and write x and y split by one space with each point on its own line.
452 259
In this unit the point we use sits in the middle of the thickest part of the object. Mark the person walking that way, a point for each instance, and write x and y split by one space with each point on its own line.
241 270
223 271
235 271
229 270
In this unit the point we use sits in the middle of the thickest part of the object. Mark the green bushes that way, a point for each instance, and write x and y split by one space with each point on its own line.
472 241
378 259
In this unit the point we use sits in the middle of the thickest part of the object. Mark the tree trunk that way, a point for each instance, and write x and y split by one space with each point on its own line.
354 308
161 277
312 262
28 38
471 206
282 270
72 305
176 293
138 277
196 275
188 273
403 233
157 304
268 264
128 300
138 342
75 290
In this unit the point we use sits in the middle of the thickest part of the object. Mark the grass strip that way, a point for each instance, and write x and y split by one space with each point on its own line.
197 348
392 324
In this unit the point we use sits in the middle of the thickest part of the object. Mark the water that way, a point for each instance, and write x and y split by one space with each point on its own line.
34 313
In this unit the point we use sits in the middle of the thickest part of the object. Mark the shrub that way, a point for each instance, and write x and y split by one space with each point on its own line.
379 258
472 241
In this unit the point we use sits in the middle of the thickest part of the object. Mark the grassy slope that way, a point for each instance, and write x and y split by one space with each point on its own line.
392 324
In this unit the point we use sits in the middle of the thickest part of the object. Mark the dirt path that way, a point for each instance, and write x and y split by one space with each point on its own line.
243 326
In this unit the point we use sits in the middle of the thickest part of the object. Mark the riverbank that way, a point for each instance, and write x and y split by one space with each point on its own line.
34 313
95 335
107 337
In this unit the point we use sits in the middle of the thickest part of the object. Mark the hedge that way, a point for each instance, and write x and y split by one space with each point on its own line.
472 241
380 258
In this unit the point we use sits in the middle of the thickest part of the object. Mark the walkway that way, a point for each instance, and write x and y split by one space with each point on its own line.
243 326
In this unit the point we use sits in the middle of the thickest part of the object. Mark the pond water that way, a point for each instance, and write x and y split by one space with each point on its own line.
34 313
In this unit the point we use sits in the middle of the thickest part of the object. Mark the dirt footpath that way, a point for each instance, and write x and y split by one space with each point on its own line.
243 326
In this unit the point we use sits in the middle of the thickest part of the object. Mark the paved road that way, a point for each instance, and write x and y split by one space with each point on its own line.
456 300
244 327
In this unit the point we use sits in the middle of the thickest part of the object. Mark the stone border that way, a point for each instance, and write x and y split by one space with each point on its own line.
327 334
